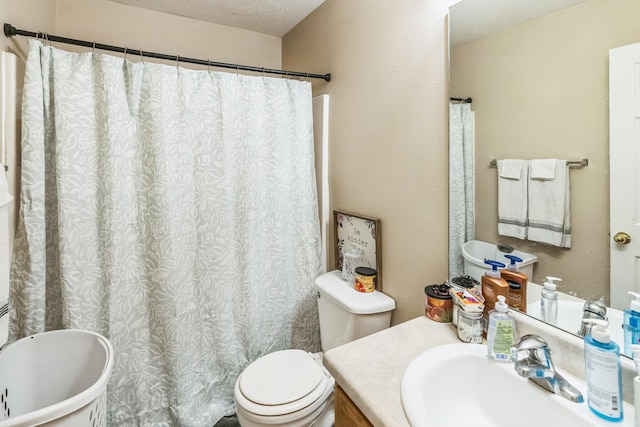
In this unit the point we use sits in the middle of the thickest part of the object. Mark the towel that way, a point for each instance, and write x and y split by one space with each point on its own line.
549 208
512 198
5 254
543 168
511 168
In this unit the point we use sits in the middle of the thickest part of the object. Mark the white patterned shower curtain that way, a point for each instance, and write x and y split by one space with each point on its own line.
462 216
173 211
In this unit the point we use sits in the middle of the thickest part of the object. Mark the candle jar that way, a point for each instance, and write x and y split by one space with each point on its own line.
350 260
469 327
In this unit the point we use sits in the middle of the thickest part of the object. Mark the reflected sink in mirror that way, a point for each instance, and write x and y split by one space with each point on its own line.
458 385
570 318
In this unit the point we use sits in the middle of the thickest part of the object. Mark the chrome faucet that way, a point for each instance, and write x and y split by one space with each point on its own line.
592 309
538 367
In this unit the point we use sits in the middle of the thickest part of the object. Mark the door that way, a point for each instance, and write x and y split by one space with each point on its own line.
624 160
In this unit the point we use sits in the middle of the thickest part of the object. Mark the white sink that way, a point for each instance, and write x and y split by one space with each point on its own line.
458 385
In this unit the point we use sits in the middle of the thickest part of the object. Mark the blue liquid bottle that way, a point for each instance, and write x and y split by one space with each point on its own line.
631 324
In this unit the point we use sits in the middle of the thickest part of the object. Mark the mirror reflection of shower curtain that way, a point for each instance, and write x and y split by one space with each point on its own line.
462 220
175 212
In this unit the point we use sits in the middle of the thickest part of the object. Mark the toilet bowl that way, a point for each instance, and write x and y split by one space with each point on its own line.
285 388
290 387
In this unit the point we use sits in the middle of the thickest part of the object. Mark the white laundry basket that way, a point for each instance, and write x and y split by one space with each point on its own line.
475 252
56 378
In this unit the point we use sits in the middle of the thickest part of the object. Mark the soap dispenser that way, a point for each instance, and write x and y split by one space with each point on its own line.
493 285
549 301
501 335
631 324
603 374
517 281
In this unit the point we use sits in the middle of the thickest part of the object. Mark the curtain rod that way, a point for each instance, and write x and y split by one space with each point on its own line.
467 100
10 31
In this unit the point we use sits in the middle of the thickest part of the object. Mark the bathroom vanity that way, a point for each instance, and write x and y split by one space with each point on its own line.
369 370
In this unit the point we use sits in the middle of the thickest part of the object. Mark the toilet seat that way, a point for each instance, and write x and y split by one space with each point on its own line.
284 382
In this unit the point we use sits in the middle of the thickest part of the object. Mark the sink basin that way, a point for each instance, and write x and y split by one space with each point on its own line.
458 385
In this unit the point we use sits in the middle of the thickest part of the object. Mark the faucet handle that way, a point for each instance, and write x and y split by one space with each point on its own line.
530 342
596 307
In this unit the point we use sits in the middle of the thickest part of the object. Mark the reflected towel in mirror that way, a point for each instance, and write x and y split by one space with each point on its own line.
549 208
512 198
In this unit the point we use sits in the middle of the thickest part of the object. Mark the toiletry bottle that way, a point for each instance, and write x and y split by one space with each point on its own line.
549 301
631 324
492 286
603 374
635 350
502 332
517 281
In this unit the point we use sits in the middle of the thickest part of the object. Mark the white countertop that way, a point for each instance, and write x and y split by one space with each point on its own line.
370 369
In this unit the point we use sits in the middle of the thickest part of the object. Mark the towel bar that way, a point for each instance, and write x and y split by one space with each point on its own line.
571 163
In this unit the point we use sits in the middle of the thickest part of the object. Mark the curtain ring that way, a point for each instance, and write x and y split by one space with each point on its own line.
46 39
209 64
125 54
237 70
177 61
141 56
93 49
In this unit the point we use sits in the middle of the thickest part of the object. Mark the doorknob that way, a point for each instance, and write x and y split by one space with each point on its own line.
622 238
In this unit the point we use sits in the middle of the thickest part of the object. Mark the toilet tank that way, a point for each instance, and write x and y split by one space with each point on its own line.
346 314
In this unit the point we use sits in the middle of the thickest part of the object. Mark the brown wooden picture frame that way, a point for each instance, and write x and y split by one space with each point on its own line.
361 232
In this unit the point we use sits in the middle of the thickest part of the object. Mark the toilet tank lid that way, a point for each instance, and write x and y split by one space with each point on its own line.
332 286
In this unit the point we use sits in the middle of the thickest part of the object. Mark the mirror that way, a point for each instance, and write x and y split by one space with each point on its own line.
538 74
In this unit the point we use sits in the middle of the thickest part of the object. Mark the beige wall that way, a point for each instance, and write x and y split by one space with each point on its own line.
388 132
122 25
540 90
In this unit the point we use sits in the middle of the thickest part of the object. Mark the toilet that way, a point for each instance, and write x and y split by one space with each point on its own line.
291 387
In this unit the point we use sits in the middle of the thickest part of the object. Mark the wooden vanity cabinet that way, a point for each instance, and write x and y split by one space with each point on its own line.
347 413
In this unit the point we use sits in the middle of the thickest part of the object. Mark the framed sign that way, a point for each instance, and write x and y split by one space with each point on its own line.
361 233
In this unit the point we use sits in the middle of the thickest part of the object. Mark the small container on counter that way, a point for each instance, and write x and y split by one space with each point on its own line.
438 304
465 282
470 327
365 279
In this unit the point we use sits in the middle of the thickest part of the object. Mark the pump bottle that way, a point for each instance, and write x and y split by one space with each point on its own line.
603 374
517 281
549 301
631 324
501 335
493 285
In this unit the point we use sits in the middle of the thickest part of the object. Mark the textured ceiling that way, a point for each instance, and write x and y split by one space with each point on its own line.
472 19
274 17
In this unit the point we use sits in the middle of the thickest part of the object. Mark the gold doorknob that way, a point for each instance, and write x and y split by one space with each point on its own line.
622 238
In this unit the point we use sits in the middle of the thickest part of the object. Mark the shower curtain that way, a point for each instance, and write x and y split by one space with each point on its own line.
462 221
173 211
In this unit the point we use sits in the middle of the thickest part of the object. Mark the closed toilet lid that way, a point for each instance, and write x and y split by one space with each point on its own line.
280 377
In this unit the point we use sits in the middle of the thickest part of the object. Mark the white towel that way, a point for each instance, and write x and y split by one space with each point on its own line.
543 168
5 254
512 201
549 208
511 168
